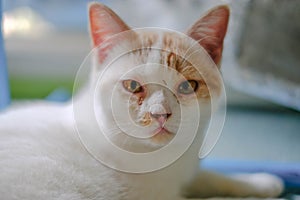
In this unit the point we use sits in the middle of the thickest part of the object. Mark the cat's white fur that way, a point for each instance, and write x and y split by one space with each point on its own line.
42 157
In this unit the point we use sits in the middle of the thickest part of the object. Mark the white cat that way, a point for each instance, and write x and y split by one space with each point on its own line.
42 157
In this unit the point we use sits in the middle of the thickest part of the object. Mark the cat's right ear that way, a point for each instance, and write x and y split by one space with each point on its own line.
210 31
104 23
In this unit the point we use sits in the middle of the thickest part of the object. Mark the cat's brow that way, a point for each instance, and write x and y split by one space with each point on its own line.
170 46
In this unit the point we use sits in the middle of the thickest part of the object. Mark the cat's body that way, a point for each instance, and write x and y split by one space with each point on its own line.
43 152
47 161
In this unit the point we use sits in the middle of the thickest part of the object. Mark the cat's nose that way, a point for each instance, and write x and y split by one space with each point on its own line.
161 118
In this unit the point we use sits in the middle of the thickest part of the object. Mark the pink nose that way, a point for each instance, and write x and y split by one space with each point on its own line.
161 118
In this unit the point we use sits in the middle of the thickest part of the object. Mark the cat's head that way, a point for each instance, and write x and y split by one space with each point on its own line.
149 82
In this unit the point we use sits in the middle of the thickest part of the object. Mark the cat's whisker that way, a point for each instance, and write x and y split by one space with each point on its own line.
125 142
188 52
172 126
112 130
113 134
182 121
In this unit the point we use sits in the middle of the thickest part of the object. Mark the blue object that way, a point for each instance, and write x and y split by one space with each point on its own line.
289 172
4 87
60 95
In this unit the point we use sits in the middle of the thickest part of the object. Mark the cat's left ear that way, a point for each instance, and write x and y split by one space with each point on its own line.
210 31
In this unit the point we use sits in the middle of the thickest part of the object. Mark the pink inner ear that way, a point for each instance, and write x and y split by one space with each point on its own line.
104 23
210 31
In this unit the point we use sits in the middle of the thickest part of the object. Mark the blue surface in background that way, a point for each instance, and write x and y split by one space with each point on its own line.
4 88
288 172
60 95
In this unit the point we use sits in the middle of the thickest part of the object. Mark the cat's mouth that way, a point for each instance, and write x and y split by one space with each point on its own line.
162 136
162 130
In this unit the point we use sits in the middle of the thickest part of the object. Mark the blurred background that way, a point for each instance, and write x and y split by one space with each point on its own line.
46 41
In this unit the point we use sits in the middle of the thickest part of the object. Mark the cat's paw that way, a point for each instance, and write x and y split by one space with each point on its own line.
265 185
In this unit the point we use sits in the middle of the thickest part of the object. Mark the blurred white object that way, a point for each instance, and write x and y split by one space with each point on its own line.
23 21
262 55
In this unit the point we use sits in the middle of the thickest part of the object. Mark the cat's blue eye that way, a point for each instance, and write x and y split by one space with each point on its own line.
132 86
187 87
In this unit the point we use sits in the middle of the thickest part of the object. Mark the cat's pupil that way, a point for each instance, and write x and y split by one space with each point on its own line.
133 85
188 87
185 85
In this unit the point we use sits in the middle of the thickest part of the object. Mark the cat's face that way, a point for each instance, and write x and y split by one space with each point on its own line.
151 83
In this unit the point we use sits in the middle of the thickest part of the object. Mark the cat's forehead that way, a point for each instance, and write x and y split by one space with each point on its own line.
169 49
166 40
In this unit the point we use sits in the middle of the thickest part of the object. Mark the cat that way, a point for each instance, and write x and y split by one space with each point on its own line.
47 149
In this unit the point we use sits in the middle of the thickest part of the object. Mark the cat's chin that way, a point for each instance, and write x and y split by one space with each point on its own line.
162 137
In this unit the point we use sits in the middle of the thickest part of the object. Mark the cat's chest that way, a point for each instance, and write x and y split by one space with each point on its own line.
167 183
